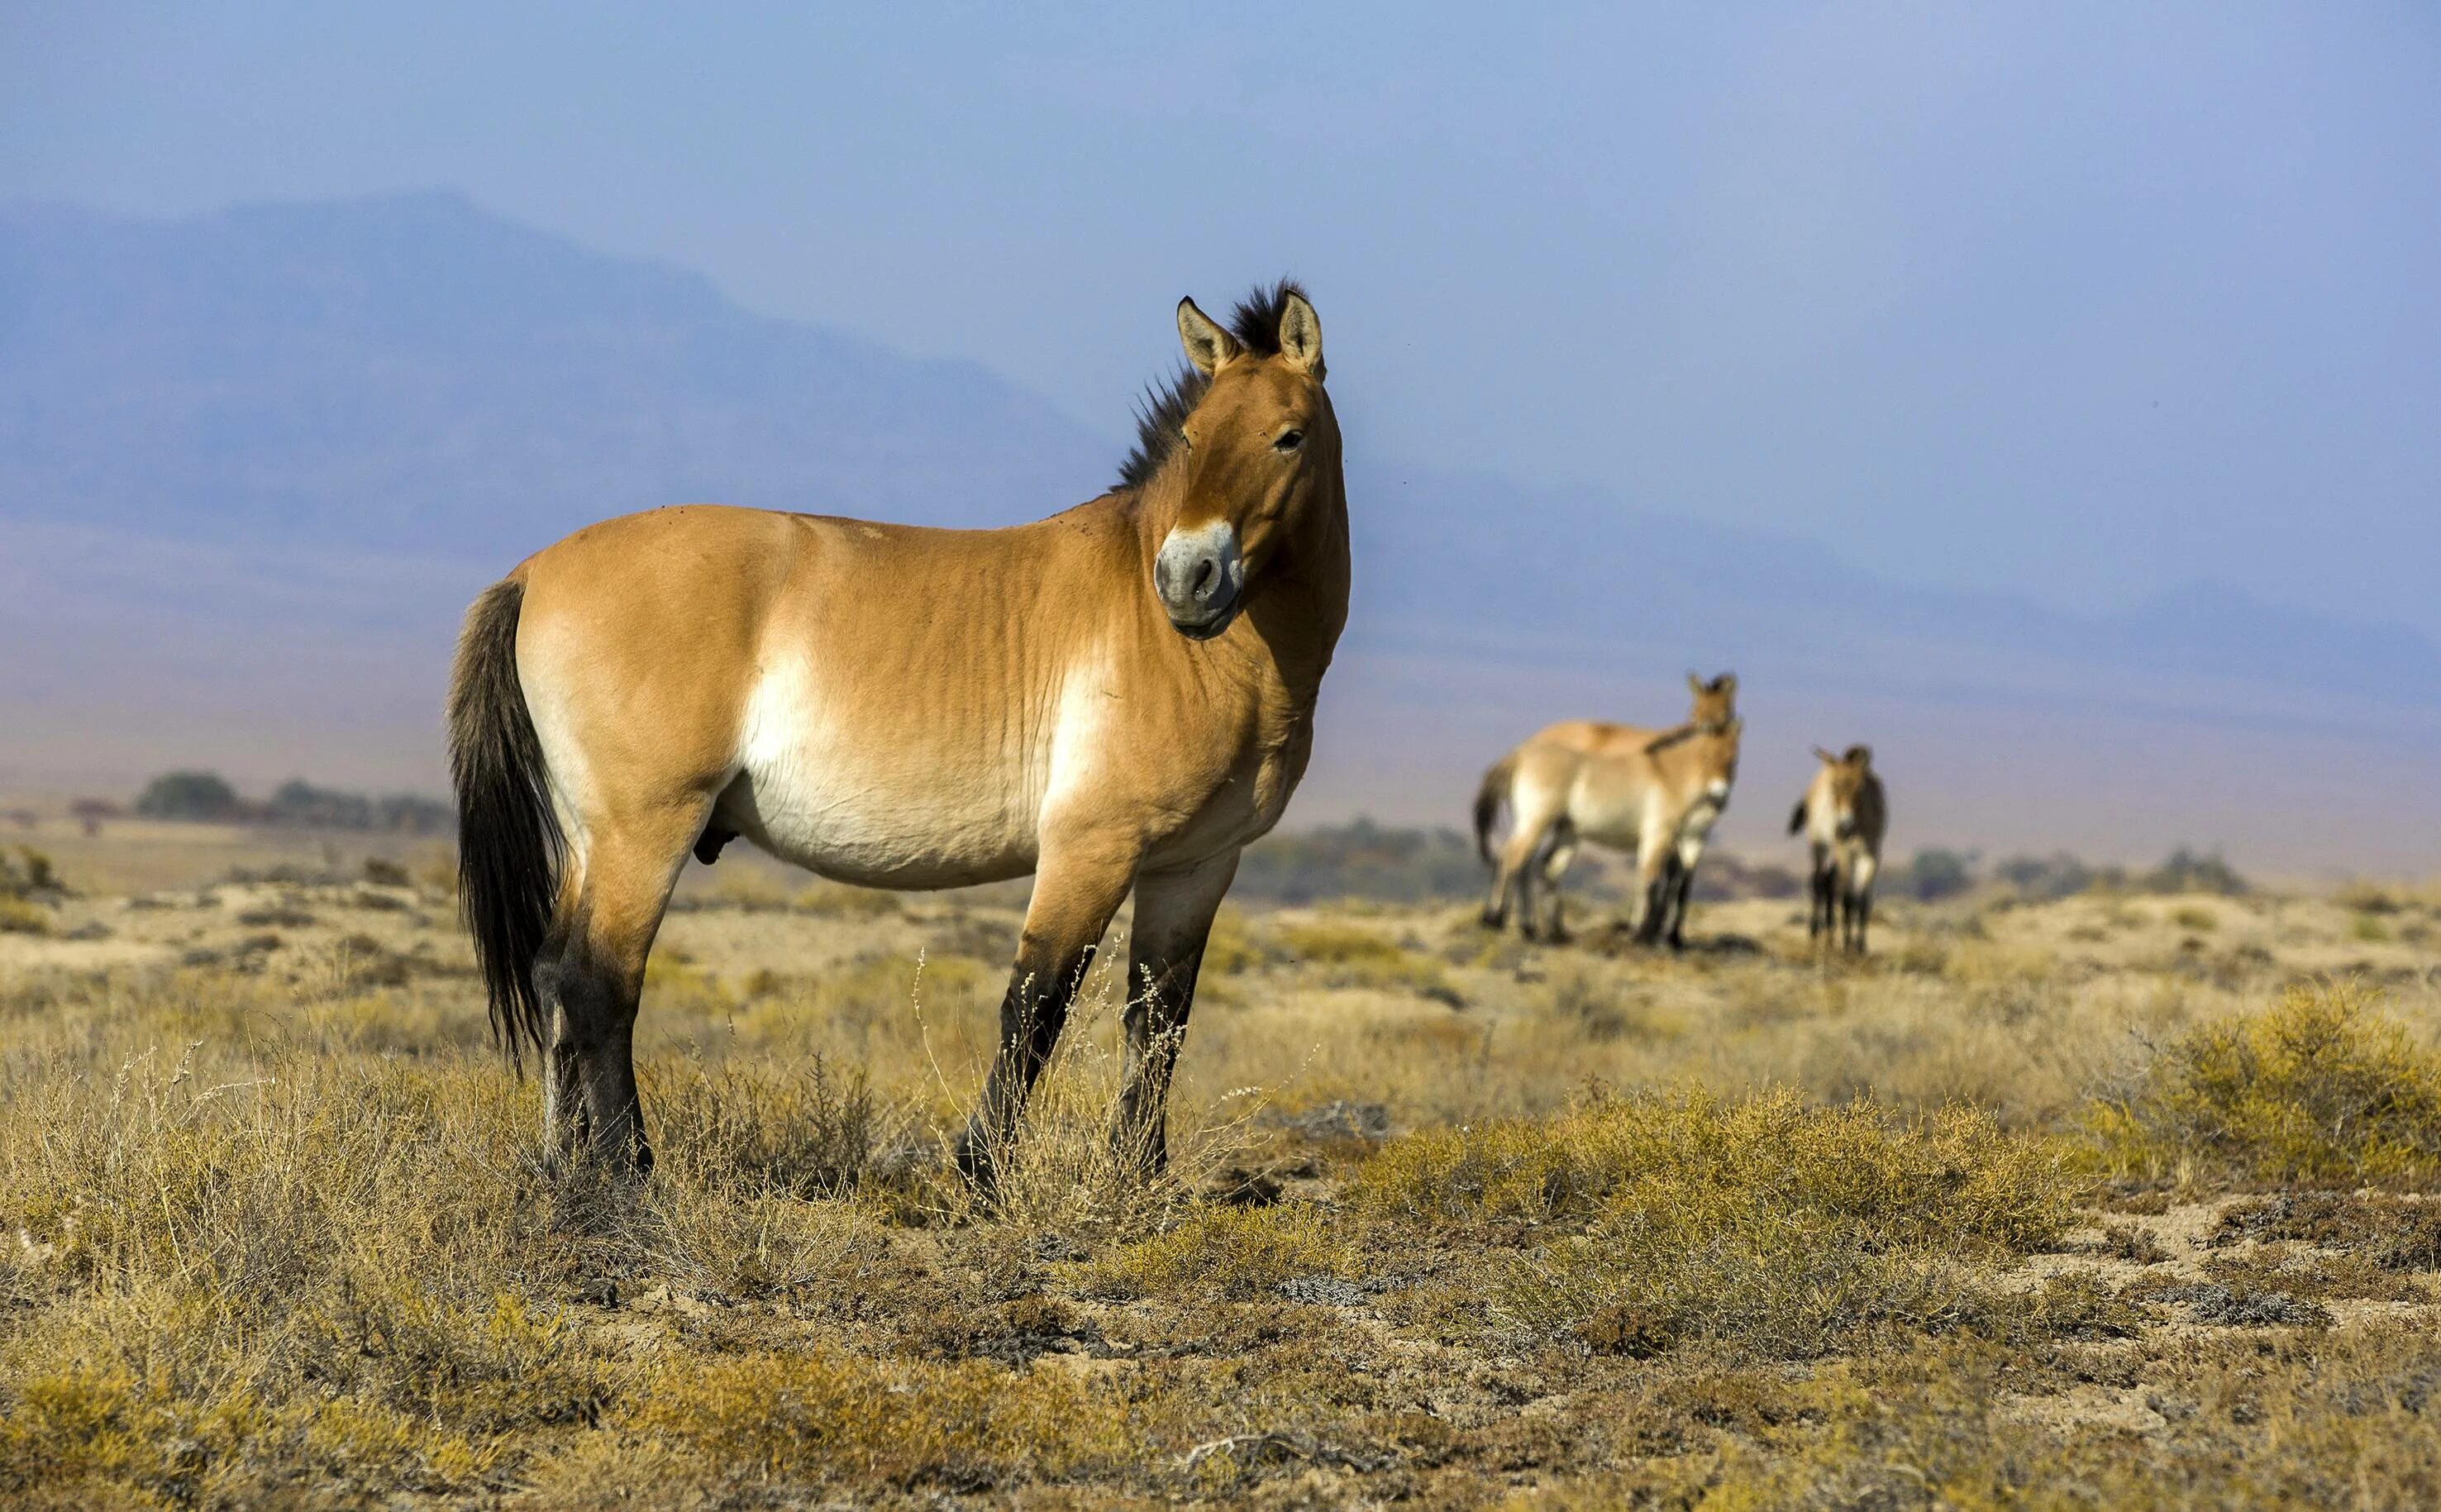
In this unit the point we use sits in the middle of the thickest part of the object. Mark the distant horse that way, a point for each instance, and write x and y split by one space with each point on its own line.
1713 705
1845 815
1119 696
1659 802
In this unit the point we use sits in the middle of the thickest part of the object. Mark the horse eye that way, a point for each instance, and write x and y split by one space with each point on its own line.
1290 441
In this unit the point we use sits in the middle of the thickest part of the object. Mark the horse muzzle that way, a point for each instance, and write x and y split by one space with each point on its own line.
1198 578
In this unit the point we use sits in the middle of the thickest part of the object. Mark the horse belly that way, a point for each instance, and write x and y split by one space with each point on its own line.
1614 822
940 812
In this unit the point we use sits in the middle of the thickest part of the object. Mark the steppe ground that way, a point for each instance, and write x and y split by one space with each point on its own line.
2113 1201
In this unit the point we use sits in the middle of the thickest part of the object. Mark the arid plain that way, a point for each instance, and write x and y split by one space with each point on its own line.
2115 1199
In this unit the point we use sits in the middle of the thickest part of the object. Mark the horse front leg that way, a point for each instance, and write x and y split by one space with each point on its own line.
1651 885
1173 919
1078 887
1819 904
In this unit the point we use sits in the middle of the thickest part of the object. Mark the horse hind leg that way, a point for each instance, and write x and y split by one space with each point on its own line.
1555 863
1513 887
593 979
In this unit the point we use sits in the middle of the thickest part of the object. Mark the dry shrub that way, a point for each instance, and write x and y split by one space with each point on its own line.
1954 1173
823 1418
803 1131
312 1267
1351 956
1764 1224
2321 1089
1236 1252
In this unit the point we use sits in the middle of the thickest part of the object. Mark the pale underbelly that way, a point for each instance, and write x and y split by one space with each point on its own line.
883 807
878 830
1617 825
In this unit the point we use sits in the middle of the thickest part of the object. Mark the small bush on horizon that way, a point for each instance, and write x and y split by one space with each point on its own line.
1936 874
1361 859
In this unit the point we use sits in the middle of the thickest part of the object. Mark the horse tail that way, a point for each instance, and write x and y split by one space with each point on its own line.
509 847
1487 802
1796 817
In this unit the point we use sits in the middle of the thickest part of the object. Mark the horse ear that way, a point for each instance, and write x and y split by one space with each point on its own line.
1861 754
1694 683
1825 757
1725 683
1208 346
1300 334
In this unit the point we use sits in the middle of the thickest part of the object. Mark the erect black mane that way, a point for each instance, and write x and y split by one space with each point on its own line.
1160 414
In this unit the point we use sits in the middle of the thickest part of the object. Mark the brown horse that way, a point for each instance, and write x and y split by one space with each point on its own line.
1118 698
1659 802
1713 705
1845 814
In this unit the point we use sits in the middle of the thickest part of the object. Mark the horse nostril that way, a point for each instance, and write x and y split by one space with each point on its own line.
1205 571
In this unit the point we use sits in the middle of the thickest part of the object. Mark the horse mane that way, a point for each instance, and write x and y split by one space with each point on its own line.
1160 413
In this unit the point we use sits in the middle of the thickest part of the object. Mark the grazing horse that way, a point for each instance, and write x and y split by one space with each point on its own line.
1118 698
1845 815
1660 802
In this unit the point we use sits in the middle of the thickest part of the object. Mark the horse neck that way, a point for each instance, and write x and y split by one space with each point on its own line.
1302 610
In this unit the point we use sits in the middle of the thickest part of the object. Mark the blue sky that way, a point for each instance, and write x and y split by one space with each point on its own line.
2076 300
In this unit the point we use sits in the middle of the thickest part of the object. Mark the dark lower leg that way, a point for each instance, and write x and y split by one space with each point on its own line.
1156 1025
590 1107
1031 1012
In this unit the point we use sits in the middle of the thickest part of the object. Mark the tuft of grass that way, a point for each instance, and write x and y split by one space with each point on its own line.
2194 916
19 917
1954 1173
1235 1252
2366 897
776 1419
1351 956
2321 1089
805 1131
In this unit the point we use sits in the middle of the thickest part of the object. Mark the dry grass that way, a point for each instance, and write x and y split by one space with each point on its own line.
1740 1229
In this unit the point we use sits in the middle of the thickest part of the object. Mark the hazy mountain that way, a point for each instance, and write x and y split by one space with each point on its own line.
252 464
414 375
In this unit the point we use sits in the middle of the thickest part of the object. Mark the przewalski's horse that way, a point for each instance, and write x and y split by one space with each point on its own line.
1845 815
1116 697
1659 802
1713 705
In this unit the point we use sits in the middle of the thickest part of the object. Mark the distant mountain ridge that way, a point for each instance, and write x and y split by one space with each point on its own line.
413 374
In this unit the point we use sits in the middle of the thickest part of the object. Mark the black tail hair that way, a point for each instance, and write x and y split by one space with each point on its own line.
510 848
1796 817
1487 802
